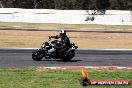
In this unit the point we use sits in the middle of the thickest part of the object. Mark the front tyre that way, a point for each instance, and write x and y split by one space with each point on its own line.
37 55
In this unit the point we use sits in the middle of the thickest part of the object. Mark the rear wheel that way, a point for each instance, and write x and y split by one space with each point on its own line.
37 55
69 56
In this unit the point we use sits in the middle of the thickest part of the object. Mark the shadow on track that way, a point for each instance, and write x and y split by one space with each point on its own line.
61 60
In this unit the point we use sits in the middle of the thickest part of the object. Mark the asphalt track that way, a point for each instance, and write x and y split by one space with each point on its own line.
22 58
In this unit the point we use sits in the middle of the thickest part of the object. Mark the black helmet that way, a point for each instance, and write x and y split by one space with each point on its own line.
62 32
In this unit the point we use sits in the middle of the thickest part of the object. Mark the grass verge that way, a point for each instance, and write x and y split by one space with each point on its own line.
58 26
46 78
99 38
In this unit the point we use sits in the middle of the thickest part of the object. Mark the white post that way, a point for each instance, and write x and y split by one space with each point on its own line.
131 15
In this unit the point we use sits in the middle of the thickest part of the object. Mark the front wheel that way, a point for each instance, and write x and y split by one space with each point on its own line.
37 55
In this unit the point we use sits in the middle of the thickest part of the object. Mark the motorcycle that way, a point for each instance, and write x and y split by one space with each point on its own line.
48 51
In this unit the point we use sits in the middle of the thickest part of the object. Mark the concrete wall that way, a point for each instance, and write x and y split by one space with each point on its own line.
63 16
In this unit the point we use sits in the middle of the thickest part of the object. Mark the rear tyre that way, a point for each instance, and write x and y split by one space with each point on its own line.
37 55
69 56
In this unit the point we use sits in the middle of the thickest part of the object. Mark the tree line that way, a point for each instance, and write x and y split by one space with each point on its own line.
68 4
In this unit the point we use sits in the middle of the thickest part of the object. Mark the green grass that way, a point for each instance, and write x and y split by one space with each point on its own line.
46 78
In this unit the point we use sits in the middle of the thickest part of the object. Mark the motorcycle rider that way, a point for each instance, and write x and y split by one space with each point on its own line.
65 42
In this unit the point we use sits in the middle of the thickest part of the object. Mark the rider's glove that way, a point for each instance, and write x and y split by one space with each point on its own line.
49 37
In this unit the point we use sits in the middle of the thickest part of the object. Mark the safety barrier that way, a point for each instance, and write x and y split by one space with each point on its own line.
63 16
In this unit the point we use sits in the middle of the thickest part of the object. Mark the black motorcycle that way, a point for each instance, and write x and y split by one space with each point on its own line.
48 51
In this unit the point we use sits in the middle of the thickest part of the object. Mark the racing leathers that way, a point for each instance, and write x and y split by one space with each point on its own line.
65 42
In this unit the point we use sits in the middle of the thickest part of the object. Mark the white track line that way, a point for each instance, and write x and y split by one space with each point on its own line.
90 67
